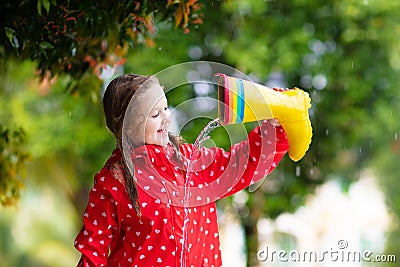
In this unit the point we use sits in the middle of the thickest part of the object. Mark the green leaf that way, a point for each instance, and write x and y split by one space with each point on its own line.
45 45
10 33
39 7
45 4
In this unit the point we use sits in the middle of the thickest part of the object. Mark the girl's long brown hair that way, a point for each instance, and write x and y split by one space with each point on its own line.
116 100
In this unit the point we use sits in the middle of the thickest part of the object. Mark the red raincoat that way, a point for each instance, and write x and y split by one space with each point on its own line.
169 233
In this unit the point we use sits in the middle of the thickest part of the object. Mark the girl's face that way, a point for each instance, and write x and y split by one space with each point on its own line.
158 120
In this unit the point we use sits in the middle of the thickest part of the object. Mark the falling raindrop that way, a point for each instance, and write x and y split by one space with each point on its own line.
395 136
298 169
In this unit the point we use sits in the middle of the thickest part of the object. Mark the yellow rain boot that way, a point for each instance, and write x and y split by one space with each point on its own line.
243 101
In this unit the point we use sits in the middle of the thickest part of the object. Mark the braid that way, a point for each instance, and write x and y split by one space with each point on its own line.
130 187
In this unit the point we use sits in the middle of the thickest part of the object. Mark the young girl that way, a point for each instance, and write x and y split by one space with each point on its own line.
162 213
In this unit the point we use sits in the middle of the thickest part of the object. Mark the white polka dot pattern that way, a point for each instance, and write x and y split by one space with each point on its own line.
114 235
